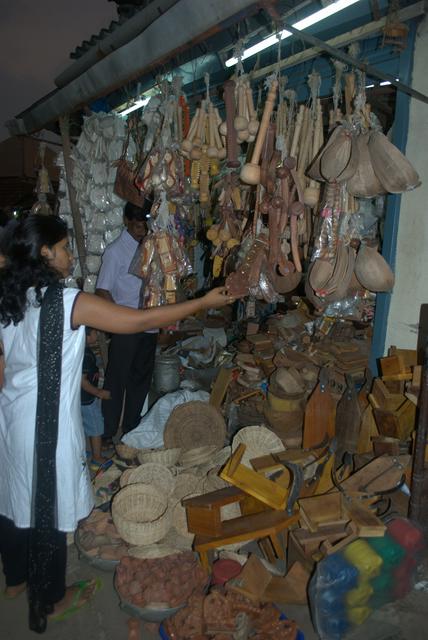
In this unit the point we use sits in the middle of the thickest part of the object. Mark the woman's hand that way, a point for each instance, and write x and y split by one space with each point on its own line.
216 298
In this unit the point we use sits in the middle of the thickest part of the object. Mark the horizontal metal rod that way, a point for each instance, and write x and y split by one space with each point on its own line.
359 33
367 68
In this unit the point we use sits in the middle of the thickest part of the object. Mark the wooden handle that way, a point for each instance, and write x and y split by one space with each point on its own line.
250 104
241 100
270 101
231 141
294 244
201 123
349 92
304 141
193 126
297 129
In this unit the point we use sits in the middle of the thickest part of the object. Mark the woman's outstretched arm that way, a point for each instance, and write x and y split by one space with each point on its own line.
93 311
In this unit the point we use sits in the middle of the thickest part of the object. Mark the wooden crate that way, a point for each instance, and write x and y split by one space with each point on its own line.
396 424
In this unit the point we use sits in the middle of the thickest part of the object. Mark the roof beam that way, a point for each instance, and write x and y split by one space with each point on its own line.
373 72
183 25
367 30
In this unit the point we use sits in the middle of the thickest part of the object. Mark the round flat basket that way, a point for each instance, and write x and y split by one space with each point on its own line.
155 474
124 478
167 457
174 539
153 551
259 441
197 456
185 483
179 519
213 483
194 422
140 514
94 561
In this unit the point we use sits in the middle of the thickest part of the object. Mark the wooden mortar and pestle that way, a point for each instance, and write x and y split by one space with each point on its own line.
250 172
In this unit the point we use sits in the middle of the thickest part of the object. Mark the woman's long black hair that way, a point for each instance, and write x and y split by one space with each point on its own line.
20 244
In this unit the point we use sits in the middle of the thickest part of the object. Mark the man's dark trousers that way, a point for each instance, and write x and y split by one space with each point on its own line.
130 368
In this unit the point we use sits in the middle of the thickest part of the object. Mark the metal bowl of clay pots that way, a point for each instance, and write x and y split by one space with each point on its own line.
99 563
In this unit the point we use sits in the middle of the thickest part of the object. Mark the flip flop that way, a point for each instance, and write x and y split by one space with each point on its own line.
100 466
75 606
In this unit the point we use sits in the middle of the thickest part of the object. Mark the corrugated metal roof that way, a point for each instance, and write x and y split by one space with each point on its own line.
124 16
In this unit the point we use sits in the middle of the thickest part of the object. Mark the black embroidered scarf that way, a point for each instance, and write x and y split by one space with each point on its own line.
44 507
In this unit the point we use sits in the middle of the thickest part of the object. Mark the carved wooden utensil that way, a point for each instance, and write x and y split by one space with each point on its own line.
250 172
231 140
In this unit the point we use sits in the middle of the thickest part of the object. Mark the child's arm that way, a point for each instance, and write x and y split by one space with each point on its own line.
103 394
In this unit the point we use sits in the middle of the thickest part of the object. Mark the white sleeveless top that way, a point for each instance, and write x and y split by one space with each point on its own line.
18 402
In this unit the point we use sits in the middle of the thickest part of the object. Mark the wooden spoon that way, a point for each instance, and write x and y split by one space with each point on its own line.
250 172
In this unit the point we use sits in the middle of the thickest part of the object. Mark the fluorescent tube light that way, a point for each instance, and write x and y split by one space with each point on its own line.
326 12
369 86
135 106
384 83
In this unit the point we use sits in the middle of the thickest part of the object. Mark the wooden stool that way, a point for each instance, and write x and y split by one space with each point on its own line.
267 524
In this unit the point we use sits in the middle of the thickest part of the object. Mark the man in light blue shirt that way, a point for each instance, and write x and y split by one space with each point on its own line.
131 357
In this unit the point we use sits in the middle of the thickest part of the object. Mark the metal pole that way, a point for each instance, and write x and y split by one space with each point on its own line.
367 68
418 509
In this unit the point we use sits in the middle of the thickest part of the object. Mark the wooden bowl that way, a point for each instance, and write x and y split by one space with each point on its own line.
285 284
372 270
320 274
364 183
391 167
336 155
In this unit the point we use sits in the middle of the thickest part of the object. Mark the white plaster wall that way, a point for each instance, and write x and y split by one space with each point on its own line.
411 267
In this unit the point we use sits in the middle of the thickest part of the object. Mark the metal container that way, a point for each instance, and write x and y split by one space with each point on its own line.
166 374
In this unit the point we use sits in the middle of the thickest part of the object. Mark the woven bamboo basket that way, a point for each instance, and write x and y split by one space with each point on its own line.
192 422
153 551
259 441
179 519
154 474
140 514
167 457
185 483
197 456
124 478
125 452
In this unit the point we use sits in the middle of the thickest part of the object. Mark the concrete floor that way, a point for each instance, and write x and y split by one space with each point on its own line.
102 619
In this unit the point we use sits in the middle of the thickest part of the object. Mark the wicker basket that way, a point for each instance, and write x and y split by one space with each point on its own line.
179 519
185 483
259 441
153 551
124 478
125 452
175 540
154 474
197 456
195 422
140 514
167 457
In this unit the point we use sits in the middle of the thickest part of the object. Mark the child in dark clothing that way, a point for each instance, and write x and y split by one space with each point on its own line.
91 396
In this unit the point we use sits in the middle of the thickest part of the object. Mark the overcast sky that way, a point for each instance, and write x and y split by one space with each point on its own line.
36 38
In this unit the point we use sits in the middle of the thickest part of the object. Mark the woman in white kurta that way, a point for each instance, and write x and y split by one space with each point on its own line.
37 255
18 402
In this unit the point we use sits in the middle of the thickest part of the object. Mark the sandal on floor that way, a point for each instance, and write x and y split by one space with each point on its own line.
75 605
99 466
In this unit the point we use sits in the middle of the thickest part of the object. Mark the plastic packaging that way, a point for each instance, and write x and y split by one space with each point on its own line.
349 585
